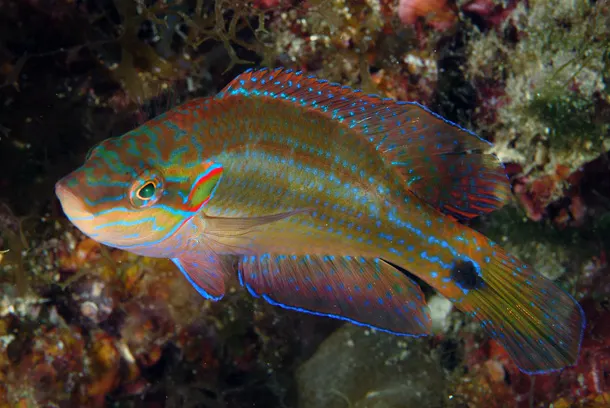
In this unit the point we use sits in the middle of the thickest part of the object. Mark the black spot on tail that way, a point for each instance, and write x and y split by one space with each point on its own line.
465 275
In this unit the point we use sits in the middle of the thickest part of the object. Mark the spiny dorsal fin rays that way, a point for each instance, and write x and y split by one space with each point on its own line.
442 163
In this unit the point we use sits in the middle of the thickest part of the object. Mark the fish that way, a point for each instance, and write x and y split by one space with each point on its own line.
324 200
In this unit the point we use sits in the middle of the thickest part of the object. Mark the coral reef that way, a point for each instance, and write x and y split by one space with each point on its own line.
84 325
541 75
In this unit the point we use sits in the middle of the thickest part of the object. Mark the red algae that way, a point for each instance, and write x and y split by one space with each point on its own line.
493 14
439 14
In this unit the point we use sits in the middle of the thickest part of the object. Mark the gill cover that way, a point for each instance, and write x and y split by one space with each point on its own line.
203 186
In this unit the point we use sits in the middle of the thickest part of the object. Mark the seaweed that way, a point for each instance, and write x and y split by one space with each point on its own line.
568 116
547 85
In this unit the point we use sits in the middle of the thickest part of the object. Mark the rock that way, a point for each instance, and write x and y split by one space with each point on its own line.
440 311
358 368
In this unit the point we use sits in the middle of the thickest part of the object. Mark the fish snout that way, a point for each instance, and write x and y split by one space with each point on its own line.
74 207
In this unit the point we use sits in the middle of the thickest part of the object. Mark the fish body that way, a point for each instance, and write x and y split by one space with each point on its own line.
320 192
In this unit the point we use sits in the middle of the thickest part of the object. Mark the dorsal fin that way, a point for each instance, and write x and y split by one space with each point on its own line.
440 162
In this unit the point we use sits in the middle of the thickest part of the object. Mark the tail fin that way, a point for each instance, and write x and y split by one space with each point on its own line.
539 325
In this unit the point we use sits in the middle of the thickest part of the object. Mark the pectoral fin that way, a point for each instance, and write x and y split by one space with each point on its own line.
239 225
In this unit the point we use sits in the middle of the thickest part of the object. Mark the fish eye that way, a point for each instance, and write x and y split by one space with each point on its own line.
145 191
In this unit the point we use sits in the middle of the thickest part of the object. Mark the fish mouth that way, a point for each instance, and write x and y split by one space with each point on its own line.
74 208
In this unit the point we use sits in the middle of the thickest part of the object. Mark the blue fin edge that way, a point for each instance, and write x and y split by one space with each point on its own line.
582 335
272 302
198 288
276 71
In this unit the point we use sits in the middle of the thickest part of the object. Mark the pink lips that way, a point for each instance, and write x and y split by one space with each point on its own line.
72 205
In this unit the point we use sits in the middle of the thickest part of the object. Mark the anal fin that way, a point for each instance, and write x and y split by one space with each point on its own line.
367 292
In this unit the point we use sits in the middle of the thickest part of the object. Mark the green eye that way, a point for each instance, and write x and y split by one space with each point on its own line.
147 191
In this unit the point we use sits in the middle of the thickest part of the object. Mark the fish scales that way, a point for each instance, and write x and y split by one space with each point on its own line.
278 167
319 191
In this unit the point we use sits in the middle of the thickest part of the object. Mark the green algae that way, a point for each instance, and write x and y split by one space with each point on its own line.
567 115
553 78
